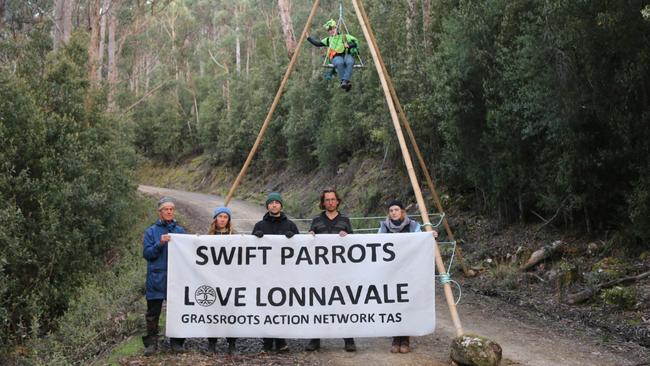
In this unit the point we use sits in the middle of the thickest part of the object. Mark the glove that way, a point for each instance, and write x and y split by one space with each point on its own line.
289 234
258 233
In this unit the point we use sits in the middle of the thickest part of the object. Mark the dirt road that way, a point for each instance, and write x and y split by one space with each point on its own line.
525 338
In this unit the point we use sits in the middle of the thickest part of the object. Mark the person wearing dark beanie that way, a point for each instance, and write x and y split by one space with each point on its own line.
275 222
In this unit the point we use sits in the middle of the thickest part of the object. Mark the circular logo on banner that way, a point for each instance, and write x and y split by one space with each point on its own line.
205 295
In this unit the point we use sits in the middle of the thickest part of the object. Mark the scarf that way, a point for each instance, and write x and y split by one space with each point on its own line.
396 226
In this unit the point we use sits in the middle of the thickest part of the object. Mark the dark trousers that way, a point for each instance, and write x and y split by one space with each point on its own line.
401 339
229 339
268 343
154 308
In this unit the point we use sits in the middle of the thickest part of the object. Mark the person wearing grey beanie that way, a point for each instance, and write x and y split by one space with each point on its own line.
155 241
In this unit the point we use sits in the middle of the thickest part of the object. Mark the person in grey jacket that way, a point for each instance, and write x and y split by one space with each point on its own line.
399 222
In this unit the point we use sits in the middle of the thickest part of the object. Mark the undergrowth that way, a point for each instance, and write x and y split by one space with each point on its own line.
108 308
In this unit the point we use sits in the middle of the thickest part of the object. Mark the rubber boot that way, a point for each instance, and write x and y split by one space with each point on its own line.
150 341
150 344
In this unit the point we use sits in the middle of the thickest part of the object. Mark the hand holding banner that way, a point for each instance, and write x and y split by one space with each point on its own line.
323 286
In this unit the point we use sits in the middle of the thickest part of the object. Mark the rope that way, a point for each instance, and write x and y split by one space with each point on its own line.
355 218
445 278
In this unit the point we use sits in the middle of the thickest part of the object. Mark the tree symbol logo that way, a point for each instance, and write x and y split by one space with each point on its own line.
205 295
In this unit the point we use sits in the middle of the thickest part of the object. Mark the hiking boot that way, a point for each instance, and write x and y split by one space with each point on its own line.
346 85
349 345
267 345
150 350
150 344
177 345
313 345
394 348
405 346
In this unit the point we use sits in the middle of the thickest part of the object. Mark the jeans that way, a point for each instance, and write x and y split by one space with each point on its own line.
344 65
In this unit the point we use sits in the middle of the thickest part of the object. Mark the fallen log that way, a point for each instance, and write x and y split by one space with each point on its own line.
541 254
586 294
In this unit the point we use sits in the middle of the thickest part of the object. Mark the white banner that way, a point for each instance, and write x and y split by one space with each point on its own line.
323 286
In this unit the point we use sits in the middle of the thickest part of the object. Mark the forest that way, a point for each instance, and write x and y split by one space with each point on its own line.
535 109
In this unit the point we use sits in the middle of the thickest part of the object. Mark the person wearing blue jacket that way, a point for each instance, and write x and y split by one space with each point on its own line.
155 241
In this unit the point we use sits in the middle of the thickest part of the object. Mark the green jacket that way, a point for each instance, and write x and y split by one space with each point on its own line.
336 44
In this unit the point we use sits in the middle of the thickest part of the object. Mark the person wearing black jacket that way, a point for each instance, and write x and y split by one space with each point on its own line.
275 222
330 221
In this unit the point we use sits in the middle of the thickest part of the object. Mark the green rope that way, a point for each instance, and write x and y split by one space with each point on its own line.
445 278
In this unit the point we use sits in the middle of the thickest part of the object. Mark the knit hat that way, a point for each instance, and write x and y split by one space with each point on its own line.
274 196
165 201
397 203
220 210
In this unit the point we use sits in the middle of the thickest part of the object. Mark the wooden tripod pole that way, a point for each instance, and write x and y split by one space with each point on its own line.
409 167
409 131
276 100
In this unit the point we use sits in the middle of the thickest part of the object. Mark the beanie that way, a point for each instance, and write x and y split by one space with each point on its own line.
165 201
220 210
397 203
274 196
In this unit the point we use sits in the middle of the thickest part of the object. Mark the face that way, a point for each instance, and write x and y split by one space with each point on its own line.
395 213
330 202
274 208
222 220
332 31
167 213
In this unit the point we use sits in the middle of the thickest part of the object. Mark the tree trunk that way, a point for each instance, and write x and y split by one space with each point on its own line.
106 4
249 46
112 55
2 15
226 87
62 22
426 23
410 15
287 27
93 49
269 28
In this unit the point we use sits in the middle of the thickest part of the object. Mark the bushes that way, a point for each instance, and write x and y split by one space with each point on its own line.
65 184
109 305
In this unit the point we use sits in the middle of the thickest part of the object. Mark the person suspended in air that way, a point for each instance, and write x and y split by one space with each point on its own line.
341 49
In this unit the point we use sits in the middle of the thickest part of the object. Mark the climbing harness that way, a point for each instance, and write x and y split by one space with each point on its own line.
358 62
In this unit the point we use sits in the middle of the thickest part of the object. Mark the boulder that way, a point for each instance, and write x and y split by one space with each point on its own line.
475 350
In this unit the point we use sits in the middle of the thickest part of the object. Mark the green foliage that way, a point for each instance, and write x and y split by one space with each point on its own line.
505 276
65 182
529 108
109 305
620 297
